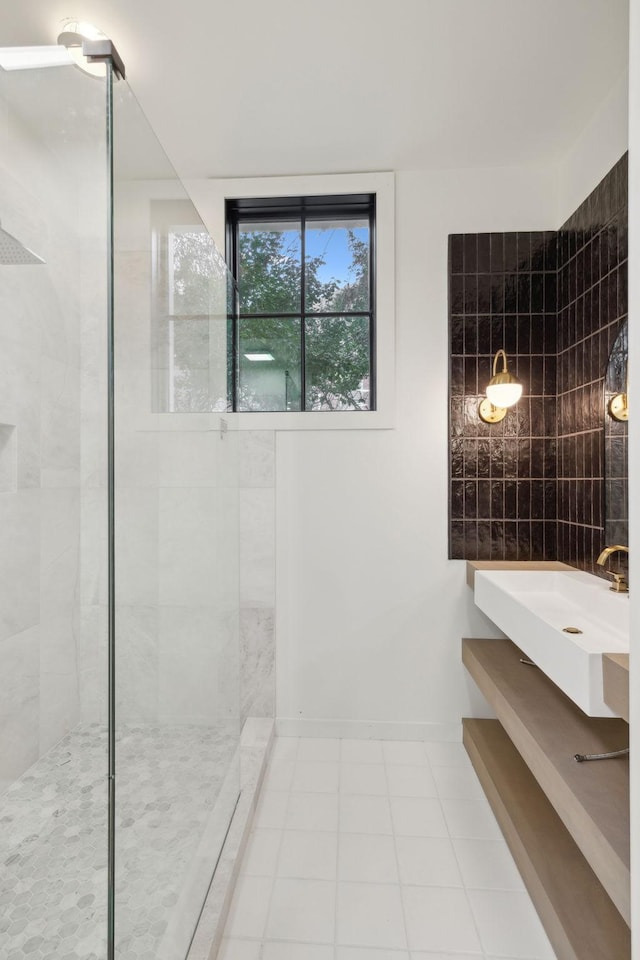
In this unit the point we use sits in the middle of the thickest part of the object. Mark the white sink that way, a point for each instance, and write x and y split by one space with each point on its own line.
533 607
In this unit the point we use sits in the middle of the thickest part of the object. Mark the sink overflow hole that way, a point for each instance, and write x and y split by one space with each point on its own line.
571 630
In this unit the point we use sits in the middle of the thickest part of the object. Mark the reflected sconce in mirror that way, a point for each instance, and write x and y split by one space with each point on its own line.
616 378
619 403
503 390
619 406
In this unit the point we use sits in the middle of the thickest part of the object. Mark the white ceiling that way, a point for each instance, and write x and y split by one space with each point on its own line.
266 87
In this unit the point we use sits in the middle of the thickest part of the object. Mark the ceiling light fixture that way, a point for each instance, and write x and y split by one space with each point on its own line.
259 356
89 48
74 33
503 390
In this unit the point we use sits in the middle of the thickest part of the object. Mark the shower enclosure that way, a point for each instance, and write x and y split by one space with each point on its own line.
119 598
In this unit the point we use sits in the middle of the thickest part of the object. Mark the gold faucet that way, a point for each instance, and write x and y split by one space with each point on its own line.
620 584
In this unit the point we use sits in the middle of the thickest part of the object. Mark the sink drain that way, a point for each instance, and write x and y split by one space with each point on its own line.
571 630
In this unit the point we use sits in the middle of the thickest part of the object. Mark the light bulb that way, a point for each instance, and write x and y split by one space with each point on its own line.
504 394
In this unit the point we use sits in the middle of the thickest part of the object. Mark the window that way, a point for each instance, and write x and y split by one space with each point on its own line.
302 331
188 312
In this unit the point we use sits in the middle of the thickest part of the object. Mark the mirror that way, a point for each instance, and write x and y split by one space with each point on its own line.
616 472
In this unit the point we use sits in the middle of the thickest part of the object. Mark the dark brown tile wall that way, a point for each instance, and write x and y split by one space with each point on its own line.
502 294
592 304
531 487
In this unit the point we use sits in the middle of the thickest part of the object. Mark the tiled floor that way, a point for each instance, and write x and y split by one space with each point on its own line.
53 842
371 850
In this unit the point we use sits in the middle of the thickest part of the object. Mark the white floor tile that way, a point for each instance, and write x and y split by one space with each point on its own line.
428 861
370 915
411 781
404 751
418 817
457 782
487 957
369 779
271 811
487 865
365 815
296 951
285 748
261 856
369 953
419 955
315 777
302 910
239 950
279 775
359 851
319 751
509 925
249 907
471 818
308 855
312 811
361 751
368 858
443 754
439 918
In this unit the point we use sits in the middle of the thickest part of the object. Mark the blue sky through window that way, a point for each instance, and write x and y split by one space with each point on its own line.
332 245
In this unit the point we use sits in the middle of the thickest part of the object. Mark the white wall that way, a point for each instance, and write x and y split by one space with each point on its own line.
634 455
370 611
600 145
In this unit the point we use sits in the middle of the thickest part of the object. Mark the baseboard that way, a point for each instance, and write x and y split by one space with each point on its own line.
368 729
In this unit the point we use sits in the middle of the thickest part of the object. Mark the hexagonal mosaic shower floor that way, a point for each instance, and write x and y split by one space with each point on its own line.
53 840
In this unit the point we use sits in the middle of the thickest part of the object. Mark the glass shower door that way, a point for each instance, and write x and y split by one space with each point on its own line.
53 731
175 549
176 559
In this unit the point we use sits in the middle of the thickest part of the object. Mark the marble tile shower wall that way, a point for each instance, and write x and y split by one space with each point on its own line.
502 491
40 313
194 530
531 487
177 503
257 574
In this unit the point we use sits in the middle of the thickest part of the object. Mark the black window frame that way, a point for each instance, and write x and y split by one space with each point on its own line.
302 208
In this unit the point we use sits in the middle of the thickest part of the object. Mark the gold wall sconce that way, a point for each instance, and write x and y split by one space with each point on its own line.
503 390
617 364
619 407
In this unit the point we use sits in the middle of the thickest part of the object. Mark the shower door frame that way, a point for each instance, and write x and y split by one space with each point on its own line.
111 563
103 51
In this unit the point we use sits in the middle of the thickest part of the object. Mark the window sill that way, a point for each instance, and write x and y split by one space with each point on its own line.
319 420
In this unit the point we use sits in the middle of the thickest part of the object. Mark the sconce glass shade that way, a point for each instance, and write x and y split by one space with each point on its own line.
504 393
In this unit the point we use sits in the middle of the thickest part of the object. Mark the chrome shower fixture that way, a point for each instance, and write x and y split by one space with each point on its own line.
13 252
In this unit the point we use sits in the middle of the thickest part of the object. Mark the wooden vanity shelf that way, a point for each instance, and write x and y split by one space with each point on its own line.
567 823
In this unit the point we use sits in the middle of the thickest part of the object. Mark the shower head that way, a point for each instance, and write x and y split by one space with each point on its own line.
13 252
